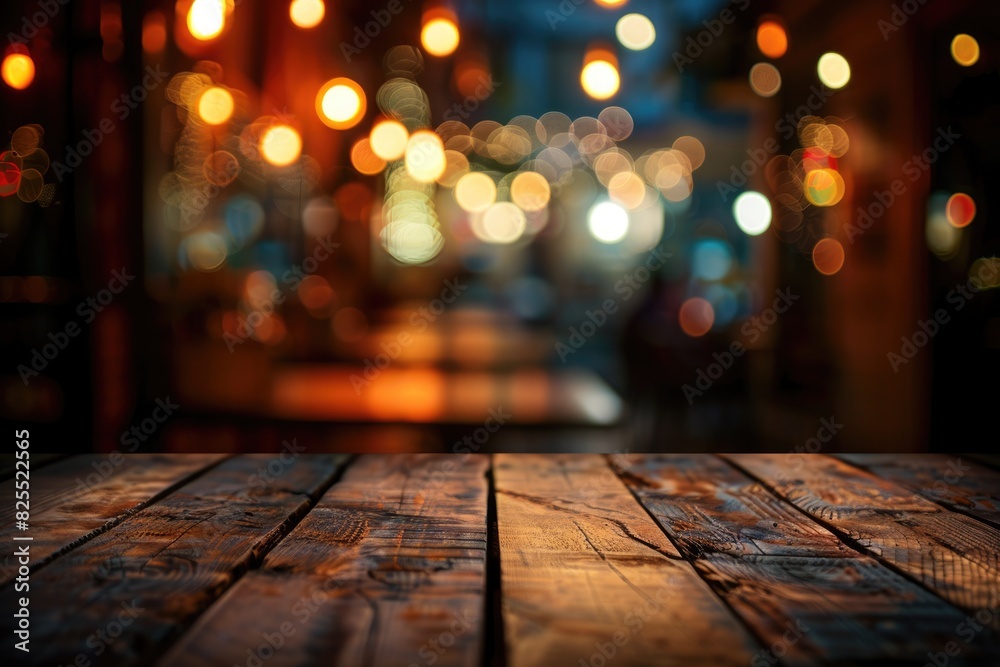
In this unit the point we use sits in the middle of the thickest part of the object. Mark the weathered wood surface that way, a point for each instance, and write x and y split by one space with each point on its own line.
807 596
271 561
389 568
954 555
959 483
122 596
588 576
76 497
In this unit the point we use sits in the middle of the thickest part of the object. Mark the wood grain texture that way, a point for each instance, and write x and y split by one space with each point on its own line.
388 569
76 497
957 482
953 555
588 576
121 597
808 597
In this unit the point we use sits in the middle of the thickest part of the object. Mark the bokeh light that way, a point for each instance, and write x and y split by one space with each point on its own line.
696 317
440 36
961 210
341 103
475 192
752 211
607 222
635 32
388 139
424 157
215 106
154 32
765 79
600 79
364 160
280 145
833 70
772 40
823 187
503 222
965 50
611 3
307 13
18 70
530 191
711 259
828 256
206 19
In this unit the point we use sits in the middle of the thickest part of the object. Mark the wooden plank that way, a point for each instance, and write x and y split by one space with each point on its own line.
956 482
953 555
387 569
74 498
589 578
805 594
127 592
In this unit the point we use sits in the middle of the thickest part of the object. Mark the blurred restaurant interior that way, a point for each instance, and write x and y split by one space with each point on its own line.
522 225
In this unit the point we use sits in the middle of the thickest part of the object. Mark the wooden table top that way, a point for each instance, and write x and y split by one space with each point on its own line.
517 560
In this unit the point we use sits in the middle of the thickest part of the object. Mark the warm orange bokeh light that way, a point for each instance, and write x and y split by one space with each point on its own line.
341 103
307 13
280 145
772 40
696 317
388 140
154 32
18 70
965 50
828 256
206 19
440 36
215 106
600 79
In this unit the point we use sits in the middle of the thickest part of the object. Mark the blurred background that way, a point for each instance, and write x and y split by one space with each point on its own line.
500 224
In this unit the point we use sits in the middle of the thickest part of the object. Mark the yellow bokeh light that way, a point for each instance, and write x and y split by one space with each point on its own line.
600 79
965 50
440 37
635 32
215 106
18 70
501 223
823 187
206 19
307 13
388 140
424 157
475 192
341 103
280 145
611 3
530 191
834 70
